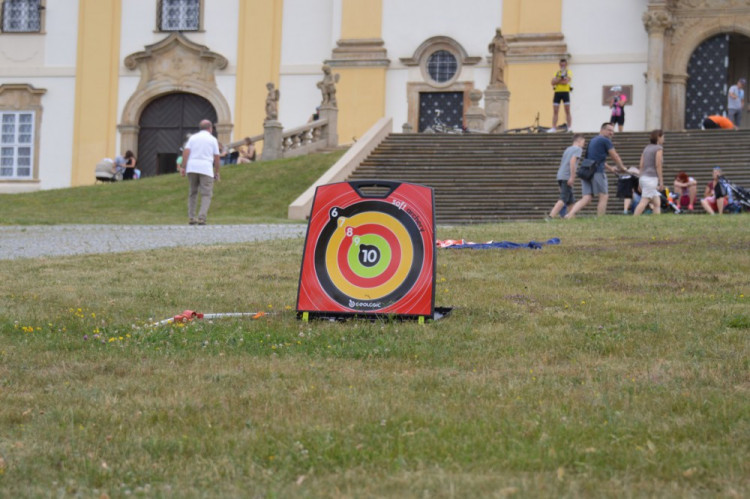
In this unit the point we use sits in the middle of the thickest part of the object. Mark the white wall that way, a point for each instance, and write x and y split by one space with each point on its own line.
608 45
306 36
601 27
56 134
396 105
221 28
299 97
47 61
61 38
406 24
138 26
307 39
586 98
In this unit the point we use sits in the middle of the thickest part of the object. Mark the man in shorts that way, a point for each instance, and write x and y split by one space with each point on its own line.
562 88
566 174
600 148
735 101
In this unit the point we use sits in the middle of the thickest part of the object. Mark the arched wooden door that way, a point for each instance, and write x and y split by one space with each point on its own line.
164 124
716 64
706 92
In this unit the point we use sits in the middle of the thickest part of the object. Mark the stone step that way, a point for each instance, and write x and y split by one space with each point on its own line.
483 178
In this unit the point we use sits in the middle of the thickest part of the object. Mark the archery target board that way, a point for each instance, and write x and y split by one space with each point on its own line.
368 254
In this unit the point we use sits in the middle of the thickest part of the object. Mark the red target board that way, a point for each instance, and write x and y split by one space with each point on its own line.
369 254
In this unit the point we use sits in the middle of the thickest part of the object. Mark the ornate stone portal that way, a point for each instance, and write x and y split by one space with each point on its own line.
676 28
174 64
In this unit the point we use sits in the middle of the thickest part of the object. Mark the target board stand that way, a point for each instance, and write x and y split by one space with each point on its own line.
369 251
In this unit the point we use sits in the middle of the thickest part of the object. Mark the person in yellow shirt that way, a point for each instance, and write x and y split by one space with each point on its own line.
562 88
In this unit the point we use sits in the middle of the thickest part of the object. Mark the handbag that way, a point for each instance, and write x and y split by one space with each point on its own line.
586 169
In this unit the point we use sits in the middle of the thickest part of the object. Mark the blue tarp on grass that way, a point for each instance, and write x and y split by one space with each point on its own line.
462 244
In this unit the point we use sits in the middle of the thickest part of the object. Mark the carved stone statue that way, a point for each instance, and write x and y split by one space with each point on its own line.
328 87
498 48
272 103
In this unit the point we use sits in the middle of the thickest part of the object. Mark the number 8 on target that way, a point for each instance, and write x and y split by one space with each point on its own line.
369 253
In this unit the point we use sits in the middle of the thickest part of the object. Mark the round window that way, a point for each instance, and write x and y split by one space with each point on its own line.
442 66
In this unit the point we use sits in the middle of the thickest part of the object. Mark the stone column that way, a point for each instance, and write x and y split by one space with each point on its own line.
128 138
272 140
656 21
331 113
475 115
674 101
224 132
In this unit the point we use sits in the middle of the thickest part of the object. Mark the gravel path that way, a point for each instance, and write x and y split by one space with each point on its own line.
56 240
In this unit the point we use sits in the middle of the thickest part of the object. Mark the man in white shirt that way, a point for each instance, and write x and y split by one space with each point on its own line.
200 161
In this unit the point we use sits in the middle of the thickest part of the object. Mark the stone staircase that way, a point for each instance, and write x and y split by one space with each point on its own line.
490 178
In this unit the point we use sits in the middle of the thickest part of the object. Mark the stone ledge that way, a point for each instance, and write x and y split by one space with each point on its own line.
536 47
359 52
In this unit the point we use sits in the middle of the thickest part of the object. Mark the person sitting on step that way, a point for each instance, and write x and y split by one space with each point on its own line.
686 188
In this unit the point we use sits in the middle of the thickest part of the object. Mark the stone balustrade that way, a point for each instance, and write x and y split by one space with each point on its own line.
305 139
237 143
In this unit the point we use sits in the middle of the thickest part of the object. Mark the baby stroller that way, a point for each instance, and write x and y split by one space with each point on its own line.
106 171
739 197
669 201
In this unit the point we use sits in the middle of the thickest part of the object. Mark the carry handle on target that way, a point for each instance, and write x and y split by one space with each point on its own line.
357 185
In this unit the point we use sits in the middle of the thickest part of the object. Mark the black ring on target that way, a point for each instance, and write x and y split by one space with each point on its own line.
327 232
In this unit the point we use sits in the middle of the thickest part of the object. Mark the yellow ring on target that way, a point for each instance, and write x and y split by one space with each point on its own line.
334 243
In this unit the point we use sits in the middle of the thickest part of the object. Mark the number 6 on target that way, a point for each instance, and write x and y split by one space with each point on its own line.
369 254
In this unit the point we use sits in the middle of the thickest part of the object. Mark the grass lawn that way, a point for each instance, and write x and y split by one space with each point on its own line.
254 193
614 364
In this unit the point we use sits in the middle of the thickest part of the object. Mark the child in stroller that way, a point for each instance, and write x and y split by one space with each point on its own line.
107 171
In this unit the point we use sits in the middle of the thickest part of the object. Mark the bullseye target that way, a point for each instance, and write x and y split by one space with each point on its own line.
366 255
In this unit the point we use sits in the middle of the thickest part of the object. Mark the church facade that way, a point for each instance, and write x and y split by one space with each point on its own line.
81 80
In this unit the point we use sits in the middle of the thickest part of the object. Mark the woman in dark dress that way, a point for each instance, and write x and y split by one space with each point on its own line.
129 172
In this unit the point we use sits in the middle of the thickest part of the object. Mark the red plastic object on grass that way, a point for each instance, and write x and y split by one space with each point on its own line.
369 251
187 316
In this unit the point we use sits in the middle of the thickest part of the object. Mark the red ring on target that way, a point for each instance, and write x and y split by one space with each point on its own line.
387 274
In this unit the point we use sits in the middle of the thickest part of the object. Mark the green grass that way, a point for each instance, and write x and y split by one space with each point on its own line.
259 192
615 364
